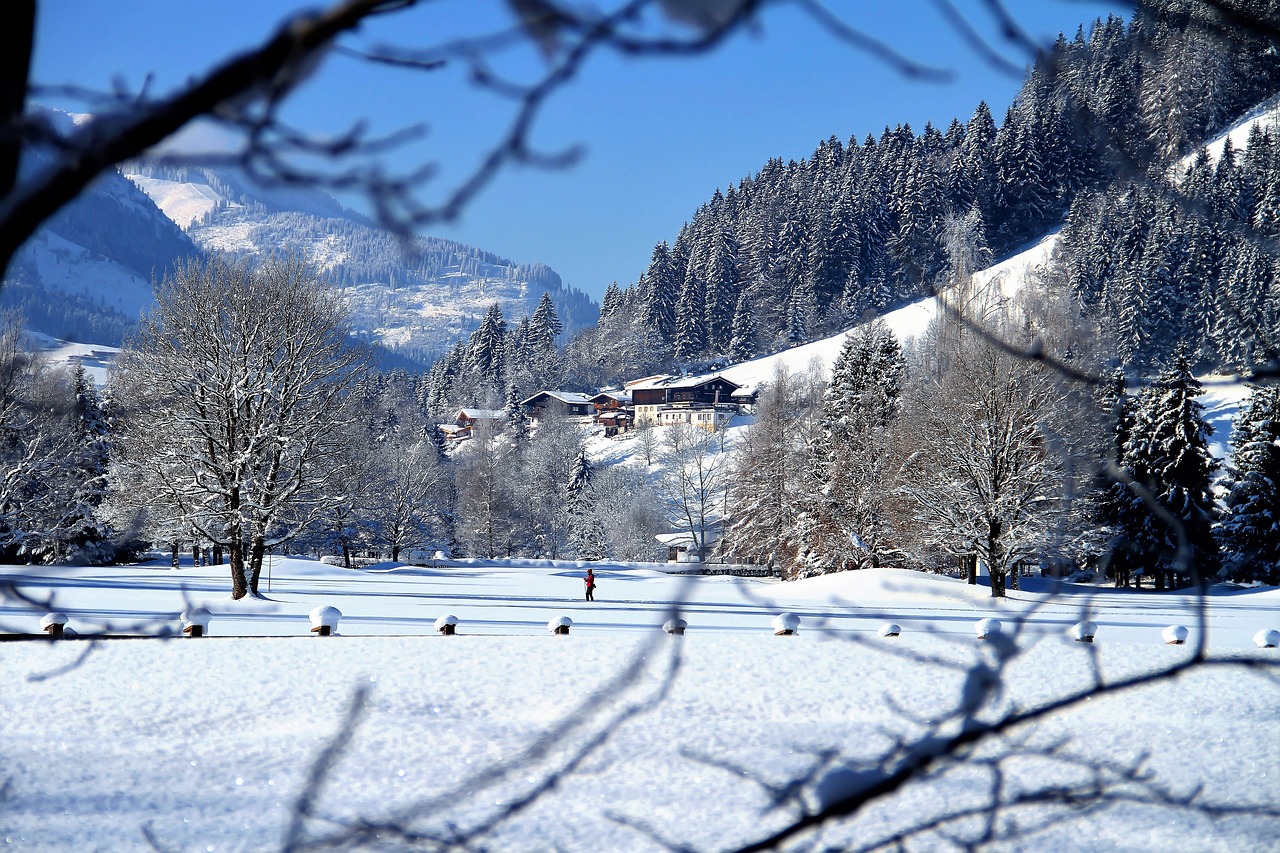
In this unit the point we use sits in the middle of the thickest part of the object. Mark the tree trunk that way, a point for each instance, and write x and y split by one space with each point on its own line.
195 554
1014 574
239 583
173 554
997 583
257 548
971 568
346 554
395 553
217 555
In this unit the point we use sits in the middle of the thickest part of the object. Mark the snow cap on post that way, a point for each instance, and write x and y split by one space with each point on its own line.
324 620
1174 635
53 623
675 626
785 624
559 625
1084 632
447 625
195 621
889 629
1267 638
988 628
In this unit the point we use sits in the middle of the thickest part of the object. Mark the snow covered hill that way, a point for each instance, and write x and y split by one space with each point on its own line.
1223 397
907 322
1264 117
416 304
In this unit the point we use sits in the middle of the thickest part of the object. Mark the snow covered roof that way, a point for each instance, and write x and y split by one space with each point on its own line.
677 381
647 382
481 414
621 396
572 398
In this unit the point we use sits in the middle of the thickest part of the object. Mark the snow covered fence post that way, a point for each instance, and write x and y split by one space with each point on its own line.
1174 635
324 620
54 624
1267 638
988 628
1084 632
195 622
675 627
559 625
785 624
447 625
889 629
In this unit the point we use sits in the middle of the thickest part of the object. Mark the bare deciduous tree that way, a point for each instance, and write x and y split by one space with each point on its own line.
694 468
230 397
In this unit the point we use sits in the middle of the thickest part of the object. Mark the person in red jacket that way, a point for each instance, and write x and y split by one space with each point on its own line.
590 581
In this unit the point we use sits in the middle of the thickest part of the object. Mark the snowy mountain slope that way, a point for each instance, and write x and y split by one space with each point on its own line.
184 203
95 359
907 322
1266 117
103 251
1222 399
416 302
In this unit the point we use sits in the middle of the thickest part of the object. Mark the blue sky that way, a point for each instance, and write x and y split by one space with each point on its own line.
660 135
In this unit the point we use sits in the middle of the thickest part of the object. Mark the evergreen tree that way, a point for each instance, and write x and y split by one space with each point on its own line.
1167 454
690 333
662 291
722 291
588 539
1250 530
513 414
852 460
486 348
743 344
611 302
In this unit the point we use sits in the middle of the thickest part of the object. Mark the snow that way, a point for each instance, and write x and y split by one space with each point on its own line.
889 629
786 623
184 202
94 358
52 619
196 616
1266 116
69 267
209 744
1267 638
1174 635
907 323
988 627
1084 631
1222 399
325 616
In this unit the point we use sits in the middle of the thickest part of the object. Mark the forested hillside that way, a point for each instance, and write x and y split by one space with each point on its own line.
806 247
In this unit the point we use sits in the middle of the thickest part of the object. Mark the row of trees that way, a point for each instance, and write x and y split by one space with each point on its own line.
964 450
242 418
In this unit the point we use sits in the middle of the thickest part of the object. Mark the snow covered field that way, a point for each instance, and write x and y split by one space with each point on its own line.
208 743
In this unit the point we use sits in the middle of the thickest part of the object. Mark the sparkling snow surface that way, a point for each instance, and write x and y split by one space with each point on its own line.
208 741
